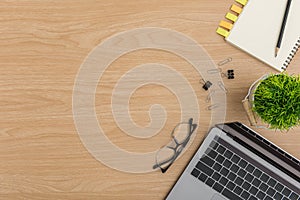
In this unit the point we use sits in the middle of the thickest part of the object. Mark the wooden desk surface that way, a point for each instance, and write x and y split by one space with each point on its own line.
43 44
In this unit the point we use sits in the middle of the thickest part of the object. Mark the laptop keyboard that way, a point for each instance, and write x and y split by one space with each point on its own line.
223 169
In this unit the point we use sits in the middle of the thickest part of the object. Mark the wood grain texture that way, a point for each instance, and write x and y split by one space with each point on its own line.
43 44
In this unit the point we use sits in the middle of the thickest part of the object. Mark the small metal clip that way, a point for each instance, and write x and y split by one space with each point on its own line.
214 71
224 75
223 62
208 98
221 85
213 106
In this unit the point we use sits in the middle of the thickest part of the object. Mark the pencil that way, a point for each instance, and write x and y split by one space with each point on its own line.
286 13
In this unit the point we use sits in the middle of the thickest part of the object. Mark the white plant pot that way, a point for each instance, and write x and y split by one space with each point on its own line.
248 104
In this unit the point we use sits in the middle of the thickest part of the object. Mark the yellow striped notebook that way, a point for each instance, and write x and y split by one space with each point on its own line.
254 26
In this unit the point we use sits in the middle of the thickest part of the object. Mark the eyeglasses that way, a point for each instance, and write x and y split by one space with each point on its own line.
181 135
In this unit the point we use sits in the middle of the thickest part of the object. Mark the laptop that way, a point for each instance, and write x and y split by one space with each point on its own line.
236 163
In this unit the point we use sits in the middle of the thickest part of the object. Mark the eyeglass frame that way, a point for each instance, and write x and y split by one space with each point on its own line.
178 148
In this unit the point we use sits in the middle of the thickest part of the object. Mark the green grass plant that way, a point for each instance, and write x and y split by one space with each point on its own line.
277 101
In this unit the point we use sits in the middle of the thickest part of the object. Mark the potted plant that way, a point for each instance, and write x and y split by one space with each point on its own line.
275 99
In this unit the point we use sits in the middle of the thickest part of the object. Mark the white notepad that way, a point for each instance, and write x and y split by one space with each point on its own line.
257 28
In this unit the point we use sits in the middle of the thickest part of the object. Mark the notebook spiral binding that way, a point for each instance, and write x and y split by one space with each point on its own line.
291 55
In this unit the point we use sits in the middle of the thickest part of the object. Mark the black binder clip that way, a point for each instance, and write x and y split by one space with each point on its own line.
230 74
206 85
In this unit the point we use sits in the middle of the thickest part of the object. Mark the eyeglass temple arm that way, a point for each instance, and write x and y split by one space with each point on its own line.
192 126
163 170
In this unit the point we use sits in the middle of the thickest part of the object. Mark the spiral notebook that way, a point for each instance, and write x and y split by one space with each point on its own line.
254 26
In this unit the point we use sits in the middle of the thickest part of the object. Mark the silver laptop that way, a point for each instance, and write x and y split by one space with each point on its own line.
234 162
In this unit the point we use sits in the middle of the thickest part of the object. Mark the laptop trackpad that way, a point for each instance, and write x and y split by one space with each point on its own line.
217 197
